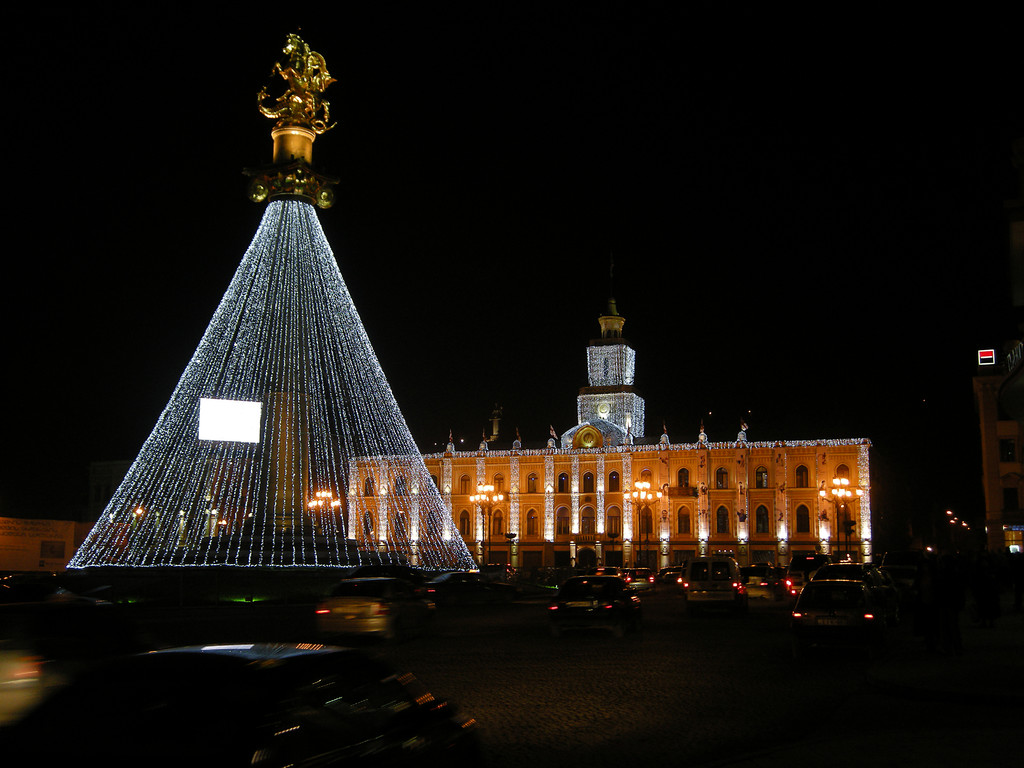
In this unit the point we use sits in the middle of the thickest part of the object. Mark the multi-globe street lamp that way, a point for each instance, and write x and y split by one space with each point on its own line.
643 497
485 497
841 497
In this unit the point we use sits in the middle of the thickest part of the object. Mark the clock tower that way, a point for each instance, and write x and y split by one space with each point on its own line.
610 397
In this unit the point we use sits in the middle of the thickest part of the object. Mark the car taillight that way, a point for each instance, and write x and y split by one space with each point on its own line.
650 579
686 584
552 607
797 615
869 616
381 609
607 605
323 610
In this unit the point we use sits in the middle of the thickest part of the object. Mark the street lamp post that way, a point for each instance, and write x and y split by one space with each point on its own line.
485 498
841 496
643 497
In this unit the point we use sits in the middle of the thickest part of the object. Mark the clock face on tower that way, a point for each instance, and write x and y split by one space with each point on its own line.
603 409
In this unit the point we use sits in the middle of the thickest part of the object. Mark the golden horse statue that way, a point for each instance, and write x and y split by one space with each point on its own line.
307 78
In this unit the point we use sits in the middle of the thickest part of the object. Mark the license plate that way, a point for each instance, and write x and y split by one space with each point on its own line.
579 604
829 621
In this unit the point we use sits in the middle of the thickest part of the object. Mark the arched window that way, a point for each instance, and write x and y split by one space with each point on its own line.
843 471
761 519
803 519
563 483
531 523
646 526
464 485
368 486
562 522
613 521
761 477
499 483
684 477
497 525
722 520
367 524
683 521
588 483
531 484
433 479
801 476
613 483
722 478
587 521
464 524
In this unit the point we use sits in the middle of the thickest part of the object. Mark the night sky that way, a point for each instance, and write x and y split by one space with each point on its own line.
805 216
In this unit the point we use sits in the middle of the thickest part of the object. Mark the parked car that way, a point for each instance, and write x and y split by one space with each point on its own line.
764 581
608 570
837 614
713 582
377 606
406 572
245 705
801 569
640 579
881 585
595 602
902 566
461 587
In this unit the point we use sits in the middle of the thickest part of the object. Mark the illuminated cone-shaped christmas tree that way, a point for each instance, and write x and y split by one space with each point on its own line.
282 444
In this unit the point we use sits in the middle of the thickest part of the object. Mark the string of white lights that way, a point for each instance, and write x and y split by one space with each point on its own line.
322 470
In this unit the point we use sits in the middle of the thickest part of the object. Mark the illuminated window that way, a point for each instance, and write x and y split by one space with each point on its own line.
684 477
801 476
761 477
587 522
722 478
613 521
843 471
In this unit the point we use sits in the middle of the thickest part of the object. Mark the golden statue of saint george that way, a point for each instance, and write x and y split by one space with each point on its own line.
302 102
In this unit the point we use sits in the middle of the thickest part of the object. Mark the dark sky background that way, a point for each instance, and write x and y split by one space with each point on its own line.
805 214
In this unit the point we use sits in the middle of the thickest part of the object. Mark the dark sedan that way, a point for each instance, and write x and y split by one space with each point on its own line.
595 602
837 614
245 705
881 585
460 587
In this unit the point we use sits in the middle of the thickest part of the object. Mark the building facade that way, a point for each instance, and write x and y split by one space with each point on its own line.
601 493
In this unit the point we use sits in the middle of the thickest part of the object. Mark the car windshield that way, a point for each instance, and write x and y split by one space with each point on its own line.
716 570
849 572
590 588
823 595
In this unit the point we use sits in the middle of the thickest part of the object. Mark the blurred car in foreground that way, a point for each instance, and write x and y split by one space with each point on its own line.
376 606
461 587
837 614
45 643
244 705
595 602
640 579
764 581
713 582
882 587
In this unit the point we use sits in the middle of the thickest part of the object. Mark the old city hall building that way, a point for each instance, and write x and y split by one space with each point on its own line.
601 494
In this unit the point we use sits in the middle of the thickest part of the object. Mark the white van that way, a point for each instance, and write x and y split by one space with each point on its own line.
713 582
